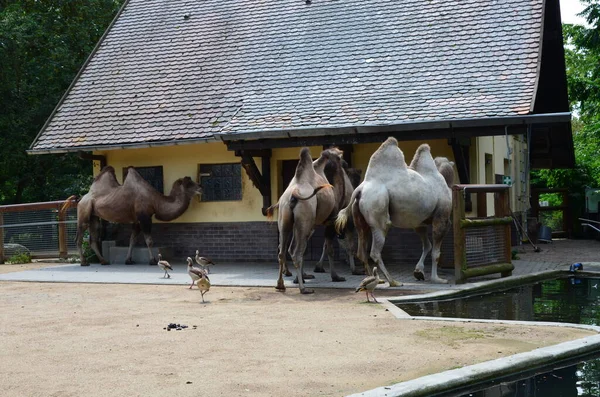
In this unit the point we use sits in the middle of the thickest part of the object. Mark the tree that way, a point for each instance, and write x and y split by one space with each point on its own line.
582 57
43 44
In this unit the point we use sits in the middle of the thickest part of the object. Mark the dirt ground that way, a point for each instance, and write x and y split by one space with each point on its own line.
109 340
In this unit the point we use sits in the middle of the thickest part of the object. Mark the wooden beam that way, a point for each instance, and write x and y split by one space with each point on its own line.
357 138
260 181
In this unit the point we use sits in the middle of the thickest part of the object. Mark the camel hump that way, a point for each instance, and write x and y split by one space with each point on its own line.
107 169
386 158
422 160
304 164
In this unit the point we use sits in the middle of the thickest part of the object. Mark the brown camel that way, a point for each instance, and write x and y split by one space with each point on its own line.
133 202
396 194
309 200
347 241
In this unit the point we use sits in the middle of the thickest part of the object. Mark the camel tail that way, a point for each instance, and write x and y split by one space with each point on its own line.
342 218
297 196
67 203
269 212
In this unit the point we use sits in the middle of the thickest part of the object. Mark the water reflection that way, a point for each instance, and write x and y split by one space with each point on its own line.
572 300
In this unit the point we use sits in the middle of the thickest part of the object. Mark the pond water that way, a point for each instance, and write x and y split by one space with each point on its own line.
571 300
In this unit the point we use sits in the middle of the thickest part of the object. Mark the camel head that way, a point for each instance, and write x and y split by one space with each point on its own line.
446 168
188 186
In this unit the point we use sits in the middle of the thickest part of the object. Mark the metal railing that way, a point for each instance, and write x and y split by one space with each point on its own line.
42 230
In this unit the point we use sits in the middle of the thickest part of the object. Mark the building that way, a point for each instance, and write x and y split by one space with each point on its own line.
228 92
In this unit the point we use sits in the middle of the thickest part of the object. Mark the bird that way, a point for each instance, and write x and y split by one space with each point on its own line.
369 284
575 267
203 262
203 284
165 266
194 272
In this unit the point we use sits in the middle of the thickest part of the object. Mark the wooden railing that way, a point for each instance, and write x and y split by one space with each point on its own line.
482 245
60 207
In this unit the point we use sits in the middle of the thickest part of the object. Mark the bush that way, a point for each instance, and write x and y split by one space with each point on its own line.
23 257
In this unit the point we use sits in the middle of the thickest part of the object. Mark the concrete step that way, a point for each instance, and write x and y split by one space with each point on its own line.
117 255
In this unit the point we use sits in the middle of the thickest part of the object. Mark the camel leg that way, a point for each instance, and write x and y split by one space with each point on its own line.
134 233
94 234
319 266
329 236
285 235
146 224
419 271
376 248
440 227
301 239
81 228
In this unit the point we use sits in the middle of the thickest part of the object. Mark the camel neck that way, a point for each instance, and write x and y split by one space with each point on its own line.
171 207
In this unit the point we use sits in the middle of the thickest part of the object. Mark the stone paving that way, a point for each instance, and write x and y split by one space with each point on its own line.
559 254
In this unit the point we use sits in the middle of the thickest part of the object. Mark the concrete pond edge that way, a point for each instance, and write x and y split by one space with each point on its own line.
481 373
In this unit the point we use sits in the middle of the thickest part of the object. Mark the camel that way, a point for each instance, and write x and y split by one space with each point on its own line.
133 202
395 194
308 201
347 241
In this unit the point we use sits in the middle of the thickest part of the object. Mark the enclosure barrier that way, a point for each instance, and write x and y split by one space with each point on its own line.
44 229
481 244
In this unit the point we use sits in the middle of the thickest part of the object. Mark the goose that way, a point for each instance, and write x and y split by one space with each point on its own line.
194 272
369 284
203 284
165 266
203 262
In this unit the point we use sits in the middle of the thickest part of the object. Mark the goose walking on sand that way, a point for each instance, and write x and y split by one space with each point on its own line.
203 285
194 272
165 266
369 284
204 262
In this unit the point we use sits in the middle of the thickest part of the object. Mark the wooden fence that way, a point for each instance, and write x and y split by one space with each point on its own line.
482 244
46 216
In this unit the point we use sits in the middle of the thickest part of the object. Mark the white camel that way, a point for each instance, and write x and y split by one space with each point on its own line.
396 194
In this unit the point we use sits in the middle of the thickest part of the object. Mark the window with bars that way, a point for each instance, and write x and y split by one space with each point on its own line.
152 175
220 182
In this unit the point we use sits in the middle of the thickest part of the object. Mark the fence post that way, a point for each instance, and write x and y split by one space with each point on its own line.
62 233
460 253
502 209
1 237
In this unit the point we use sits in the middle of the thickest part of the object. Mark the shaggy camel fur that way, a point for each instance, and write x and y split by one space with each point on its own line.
309 200
348 240
394 194
133 202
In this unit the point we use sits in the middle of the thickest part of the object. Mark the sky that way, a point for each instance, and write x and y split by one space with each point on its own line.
569 10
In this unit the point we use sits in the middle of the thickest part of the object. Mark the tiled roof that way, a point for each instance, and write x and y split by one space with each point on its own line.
188 70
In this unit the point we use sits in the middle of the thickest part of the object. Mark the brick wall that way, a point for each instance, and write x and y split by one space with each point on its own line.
258 241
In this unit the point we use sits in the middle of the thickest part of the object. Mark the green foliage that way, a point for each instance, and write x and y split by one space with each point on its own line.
88 252
43 44
22 257
582 57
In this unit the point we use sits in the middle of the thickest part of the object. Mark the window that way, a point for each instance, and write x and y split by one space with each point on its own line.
220 182
152 175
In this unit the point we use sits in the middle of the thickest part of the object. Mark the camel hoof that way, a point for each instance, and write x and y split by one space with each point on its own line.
129 262
319 269
85 264
306 291
395 283
280 287
287 273
439 280
105 263
419 275
309 276
337 279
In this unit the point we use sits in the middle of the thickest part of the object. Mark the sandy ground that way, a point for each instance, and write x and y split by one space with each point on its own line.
109 340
